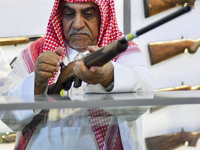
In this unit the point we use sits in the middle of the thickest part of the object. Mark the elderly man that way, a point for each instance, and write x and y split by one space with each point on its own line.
72 27
77 26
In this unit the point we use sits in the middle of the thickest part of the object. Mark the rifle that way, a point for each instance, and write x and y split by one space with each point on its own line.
18 40
176 88
172 141
97 58
105 54
160 51
153 7
179 88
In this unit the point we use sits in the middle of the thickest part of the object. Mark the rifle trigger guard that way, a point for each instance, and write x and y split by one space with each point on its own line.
67 85
77 82
62 66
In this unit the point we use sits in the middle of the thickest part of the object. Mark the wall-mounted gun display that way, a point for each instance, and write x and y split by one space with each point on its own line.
160 51
172 141
153 7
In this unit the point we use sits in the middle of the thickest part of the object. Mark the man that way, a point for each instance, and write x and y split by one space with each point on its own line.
81 27
67 31
74 27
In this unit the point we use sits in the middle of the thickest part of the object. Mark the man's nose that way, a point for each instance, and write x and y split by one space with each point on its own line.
79 22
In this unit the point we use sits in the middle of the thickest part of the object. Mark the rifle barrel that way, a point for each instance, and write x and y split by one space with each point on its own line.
143 30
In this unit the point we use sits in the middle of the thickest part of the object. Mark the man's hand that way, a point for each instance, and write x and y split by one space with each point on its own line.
45 67
94 75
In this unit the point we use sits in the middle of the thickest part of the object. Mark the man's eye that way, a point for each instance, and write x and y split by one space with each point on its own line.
88 15
69 15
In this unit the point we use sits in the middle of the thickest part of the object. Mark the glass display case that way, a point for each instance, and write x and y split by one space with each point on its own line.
161 120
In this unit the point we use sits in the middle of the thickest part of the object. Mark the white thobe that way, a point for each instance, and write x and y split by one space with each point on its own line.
131 74
4 68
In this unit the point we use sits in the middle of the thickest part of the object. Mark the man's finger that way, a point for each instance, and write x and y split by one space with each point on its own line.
47 68
94 69
59 51
44 76
92 48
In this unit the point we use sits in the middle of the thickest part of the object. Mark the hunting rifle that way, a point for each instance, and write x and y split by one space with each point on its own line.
172 141
160 51
176 88
18 40
153 7
105 54
179 88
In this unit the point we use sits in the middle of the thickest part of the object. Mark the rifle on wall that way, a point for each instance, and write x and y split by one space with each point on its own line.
176 88
153 7
160 51
172 141
179 88
18 40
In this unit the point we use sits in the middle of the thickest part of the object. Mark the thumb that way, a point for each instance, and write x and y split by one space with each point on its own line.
59 51
92 48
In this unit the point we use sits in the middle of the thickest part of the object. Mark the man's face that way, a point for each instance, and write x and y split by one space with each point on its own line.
81 24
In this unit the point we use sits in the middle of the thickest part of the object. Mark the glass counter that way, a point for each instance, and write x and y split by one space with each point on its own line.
139 121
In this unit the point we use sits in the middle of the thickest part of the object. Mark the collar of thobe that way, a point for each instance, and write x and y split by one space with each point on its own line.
74 55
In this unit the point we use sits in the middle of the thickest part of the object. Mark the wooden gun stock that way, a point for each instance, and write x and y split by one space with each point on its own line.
172 141
97 58
160 51
18 40
153 7
179 88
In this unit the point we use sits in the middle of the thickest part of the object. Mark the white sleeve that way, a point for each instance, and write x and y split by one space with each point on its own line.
19 82
131 74
4 65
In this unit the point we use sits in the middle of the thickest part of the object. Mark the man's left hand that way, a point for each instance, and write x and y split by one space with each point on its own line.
103 75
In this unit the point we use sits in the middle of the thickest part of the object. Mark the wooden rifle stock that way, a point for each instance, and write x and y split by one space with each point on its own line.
153 7
97 58
176 88
160 51
172 141
18 40
179 88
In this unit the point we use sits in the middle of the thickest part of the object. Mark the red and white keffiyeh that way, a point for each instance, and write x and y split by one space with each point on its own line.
106 129
54 38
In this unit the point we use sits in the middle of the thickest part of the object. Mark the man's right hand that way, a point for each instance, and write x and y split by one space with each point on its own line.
45 67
